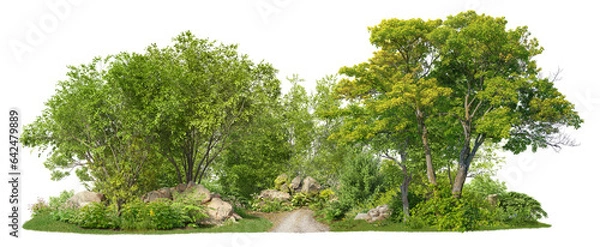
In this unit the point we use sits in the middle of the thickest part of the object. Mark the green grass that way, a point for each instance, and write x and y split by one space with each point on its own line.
249 223
386 226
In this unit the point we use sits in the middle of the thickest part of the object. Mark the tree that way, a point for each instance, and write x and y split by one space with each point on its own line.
497 95
193 96
178 105
86 128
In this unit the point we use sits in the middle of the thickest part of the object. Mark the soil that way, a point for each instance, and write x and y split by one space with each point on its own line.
297 221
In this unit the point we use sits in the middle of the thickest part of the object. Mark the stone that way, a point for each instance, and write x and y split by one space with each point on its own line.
160 193
199 190
373 213
218 211
236 216
310 185
274 194
280 180
296 184
83 198
284 188
362 216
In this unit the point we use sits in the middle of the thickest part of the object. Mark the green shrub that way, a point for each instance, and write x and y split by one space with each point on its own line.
449 213
190 208
163 216
484 185
135 216
39 208
518 208
98 216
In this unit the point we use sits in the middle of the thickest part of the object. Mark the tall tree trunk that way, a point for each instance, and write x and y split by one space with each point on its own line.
428 159
404 191
466 157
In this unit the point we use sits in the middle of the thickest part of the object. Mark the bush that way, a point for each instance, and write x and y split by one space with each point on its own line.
98 216
517 208
191 209
135 216
39 208
484 185
163 216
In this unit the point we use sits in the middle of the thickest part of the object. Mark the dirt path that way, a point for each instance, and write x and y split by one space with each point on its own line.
300 220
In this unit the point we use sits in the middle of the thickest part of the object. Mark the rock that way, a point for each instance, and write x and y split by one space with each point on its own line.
83 198
375 214
493 199
160 193
280 180
218 211
310 185
274 194
362 216
198 191
236 216
296 184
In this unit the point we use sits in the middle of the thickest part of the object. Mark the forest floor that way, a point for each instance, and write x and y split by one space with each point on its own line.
298 221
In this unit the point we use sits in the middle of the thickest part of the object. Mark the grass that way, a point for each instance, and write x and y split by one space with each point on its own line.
249 223
385 226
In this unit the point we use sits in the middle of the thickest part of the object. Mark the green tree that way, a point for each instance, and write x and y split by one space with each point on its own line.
497 95
193 96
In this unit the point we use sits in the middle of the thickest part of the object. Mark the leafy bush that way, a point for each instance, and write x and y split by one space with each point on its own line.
98 216
190 207
484 185
520 208
39 208
163 216
135 216
302 199
334 211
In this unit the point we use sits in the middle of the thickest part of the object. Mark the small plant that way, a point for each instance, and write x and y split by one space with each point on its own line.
39 208
191 209
135 216
268 206
163 216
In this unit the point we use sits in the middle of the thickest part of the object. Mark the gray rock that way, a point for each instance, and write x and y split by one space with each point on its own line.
198 191
160 193
218 211
310 185
274 194
362 216
296 184
83 198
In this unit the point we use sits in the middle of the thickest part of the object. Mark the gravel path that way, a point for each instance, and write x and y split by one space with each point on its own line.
300 220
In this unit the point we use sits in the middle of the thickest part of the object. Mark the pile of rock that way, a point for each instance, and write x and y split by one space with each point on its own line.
376 214
218 210
307 185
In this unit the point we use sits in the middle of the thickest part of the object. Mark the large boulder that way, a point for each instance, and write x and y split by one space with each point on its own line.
280 180
198 191
310 185
296 184
362 216
218 211
274 194
83 198
160 193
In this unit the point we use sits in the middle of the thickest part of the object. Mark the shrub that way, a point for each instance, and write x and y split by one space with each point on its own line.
520 208
135 216
484 185
163 216
98 216
39 208
191 209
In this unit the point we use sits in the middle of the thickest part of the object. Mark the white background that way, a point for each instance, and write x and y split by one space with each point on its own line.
313 39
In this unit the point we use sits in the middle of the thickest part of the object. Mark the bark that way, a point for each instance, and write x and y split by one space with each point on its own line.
428 160
466 157
404 191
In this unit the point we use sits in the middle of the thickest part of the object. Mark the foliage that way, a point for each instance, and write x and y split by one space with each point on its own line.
360 178
135 216
39 208
268 206
519 208
164 216
482 186
190 207
98 216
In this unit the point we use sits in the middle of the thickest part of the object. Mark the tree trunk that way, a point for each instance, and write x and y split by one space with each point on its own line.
404 191
428 159
459 180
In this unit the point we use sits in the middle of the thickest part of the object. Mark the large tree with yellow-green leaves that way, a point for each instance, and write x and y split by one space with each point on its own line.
455 84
